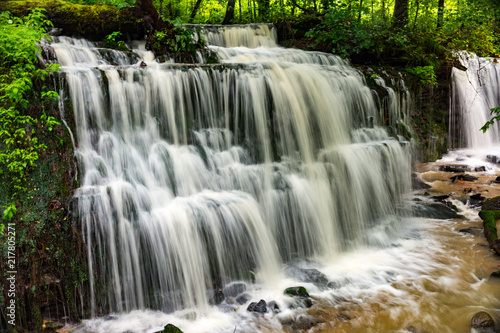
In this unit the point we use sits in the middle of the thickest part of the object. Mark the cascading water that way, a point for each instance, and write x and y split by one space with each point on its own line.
258 169
474 92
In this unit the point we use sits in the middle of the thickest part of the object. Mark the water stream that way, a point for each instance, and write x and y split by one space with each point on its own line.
270 170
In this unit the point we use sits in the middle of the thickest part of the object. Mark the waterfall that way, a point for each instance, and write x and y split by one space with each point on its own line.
474 92
196 176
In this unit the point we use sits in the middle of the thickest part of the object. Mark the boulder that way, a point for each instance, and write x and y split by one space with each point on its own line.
435 211
482 320
234 289
243 298
480 169
260 307
465 178
169 328
474 231
492 158
311 275
274 307
297 291
453 168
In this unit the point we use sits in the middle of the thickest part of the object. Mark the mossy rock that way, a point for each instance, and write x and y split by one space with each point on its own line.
90 21
169 328
297 291
491 204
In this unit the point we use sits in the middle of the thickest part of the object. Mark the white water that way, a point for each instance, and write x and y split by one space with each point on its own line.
473 93
196 176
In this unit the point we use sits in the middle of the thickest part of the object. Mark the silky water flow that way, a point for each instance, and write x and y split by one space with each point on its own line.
269 170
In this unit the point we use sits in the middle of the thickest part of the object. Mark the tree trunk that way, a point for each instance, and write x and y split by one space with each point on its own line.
440 14
360 9
400 14
152 19
229 12
195 10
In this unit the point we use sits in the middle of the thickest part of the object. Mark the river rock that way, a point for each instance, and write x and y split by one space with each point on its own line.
494 276
234 289
465 178
476 200
492 158
260 307
297 291
274 307
482 320
306 275
496 181
480 169
474 231
169 328
435 210
243 298
453 168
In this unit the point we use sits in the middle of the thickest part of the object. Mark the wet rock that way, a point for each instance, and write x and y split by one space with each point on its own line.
482 320
492 204
480 169
260 307
492 158
476 200
474 231
306 275
169 328
497 180
234 289
494 276
440 198
453 168
218 297
274 307
435 211
243 298
297 291
465 178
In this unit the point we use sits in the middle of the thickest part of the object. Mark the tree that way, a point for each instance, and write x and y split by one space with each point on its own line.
229 12
440 14
400 13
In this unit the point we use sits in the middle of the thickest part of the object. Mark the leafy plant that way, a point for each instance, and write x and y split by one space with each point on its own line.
113 41
492 120
19 69
424 74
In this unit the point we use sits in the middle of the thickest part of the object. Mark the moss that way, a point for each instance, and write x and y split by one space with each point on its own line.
489 223
36 318
90 21
297 291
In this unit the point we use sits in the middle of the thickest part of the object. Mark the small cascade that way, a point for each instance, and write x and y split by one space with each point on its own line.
474 92
196 176
249 35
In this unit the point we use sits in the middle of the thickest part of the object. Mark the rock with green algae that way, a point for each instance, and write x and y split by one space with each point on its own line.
297 291
490 212
90 21
169 328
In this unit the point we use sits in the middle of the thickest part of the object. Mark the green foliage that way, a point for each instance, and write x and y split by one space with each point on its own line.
113 41
344 32
424 74
176 40
492 120
19 147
